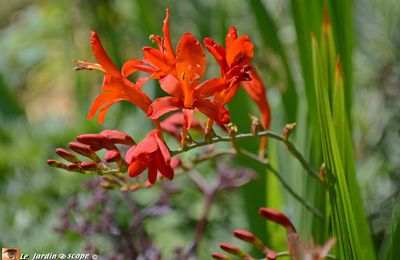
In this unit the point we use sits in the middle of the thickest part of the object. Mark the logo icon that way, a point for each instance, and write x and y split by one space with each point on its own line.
10 253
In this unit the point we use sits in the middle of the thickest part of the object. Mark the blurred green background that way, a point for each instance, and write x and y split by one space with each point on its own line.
43 103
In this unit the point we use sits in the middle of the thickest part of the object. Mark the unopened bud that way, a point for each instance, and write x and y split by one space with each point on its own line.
106 185
248 237
231 249
74 167
288 130
112 156
118 137
84 150
57 164
89 166
96 142
110 179
220 256
67 155
232 130
255 125
277 217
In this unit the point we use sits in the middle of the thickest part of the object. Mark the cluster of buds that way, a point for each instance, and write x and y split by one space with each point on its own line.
87 146
296 248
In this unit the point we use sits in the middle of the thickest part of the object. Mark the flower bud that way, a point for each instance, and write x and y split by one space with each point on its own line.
277 217
74 167
255 125
84 150
220 256
89 166
57 164
118 137
232 249
288 130
248 237
110 179
67 155
232 130
106 185
96 142
112 156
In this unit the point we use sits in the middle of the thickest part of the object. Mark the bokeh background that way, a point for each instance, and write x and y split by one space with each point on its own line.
44 103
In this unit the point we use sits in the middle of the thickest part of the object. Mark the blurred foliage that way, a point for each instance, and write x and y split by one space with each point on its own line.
43 105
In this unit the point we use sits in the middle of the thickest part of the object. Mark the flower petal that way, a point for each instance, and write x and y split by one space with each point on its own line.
102 57
256 90
212 110
157 59
137 167
132 66
187 118
230 37
147 146
171 85
163 105
240 51
152 172
167 38
163 147
164 168
129 154
218 52
190 59
211 87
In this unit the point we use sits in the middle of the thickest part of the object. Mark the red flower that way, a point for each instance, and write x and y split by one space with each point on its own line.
115 85
151 153
237 54
187 93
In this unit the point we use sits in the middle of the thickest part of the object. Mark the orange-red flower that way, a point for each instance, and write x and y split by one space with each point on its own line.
158 62
186 92
237 54
115 85
151 153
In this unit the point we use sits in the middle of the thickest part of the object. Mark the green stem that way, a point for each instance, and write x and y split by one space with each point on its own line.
288 144
266 163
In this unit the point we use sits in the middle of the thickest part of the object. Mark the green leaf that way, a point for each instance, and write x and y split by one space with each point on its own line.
348 219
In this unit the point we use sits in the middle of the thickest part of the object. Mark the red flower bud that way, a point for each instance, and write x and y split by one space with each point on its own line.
248 237
232 249
277 217
112 156
67 155
118 137
220 256
89 166
84 150
73 167
96 141
57 164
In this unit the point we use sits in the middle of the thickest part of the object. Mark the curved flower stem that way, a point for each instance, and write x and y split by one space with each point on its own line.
266 163
288 144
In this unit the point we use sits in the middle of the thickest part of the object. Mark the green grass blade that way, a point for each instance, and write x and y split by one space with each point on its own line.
348 220
341 13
